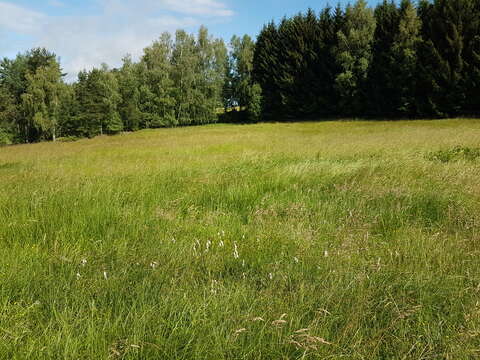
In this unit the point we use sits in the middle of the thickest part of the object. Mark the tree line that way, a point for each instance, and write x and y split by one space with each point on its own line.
179 80
392 61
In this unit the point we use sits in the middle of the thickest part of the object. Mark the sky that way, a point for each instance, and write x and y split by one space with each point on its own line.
87 33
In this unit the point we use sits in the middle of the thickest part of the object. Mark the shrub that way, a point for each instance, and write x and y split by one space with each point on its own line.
455 154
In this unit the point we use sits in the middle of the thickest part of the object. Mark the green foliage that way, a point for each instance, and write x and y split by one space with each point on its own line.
355 62
254 103
68 139
176 82
37 73
239 90
448 59
5 137
354 54
129 81
239 75
394 65
265 63
98 97
41 101
156 92
454 154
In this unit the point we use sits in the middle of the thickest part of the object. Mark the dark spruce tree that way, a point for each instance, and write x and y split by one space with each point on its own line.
265 62
382 86
443 68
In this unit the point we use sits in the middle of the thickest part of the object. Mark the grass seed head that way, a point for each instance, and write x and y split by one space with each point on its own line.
256 319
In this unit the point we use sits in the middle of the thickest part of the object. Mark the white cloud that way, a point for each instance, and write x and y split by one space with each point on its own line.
121 27
56 3
19 19
198 7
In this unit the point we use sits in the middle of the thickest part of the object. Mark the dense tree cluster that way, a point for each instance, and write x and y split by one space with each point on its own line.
394 61
178 81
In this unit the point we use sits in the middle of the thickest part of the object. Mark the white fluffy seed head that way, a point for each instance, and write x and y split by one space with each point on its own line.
236 255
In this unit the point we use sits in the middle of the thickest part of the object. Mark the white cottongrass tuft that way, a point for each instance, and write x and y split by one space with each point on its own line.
214 287
236 255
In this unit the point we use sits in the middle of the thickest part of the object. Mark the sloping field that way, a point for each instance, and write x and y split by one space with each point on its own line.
330 240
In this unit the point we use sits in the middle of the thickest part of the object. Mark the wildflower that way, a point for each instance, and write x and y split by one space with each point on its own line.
83 262
154 265
207 246
270 275
105 275
221 243
78 276
295 259
325 253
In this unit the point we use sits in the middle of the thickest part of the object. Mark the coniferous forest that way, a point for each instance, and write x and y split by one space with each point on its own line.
397 60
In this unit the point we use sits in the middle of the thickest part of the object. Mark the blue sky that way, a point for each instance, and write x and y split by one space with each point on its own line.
85 33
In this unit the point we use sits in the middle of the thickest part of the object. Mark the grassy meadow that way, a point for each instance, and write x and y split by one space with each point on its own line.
328 240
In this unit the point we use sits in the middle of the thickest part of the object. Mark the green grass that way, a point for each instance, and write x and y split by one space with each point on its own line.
334 240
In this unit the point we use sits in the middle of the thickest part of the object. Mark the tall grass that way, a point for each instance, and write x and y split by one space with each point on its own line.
275 241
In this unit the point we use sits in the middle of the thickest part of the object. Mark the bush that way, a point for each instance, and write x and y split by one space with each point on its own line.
68 139
5 137
455 154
